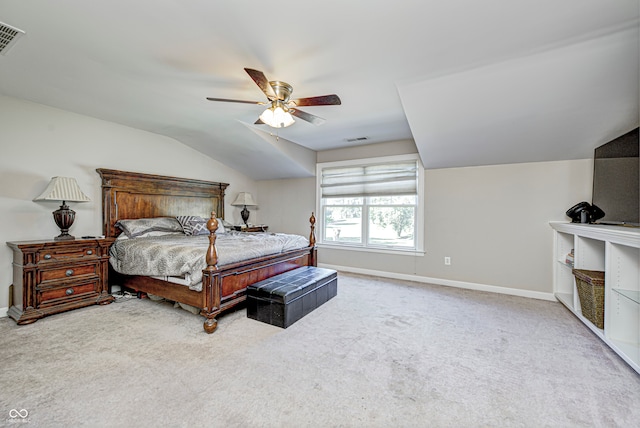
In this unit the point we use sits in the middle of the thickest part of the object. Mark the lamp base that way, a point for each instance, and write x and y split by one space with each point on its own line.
245 214
64 237
64 218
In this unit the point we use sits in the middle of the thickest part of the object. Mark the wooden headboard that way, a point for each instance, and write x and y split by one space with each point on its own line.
132 195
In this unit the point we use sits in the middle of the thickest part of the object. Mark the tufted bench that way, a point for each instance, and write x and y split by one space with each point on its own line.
285 298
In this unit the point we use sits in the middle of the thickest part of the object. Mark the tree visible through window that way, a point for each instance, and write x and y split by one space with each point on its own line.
370 204
395 214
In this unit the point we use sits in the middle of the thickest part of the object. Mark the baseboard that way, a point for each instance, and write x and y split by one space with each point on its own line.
3 312
446 282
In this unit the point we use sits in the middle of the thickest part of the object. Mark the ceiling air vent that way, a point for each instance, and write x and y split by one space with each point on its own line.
8 37
357 139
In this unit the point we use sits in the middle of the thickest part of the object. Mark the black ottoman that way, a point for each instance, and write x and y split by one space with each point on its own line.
285 298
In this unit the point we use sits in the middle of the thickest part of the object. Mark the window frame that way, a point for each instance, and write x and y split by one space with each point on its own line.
365 246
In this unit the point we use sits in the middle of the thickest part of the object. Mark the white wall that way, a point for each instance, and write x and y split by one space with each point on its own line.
38 142
491 220
391 148
287 205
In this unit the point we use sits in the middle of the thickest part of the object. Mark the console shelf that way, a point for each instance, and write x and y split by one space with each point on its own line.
634 296
616 251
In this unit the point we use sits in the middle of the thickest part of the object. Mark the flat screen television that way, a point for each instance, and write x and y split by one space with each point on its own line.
616 180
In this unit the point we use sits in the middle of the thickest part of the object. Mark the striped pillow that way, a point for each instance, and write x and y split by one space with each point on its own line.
195 225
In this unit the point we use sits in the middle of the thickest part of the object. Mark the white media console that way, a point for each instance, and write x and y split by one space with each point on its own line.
616 251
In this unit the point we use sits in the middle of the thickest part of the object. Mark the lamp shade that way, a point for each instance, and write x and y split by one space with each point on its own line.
243 199
63 189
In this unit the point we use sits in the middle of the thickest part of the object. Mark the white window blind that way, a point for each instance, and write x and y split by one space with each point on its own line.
398 178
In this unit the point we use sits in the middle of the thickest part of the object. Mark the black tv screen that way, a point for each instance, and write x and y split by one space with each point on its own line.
616 180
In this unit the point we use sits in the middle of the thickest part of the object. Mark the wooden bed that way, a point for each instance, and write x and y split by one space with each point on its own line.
130 195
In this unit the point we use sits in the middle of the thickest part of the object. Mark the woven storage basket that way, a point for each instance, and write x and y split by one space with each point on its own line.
590 285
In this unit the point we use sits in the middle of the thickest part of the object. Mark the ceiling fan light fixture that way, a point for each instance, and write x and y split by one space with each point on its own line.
277 116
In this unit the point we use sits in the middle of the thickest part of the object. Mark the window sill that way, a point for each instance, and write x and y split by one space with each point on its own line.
396 252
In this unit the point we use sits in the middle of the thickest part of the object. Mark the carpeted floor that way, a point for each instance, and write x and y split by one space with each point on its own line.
382 353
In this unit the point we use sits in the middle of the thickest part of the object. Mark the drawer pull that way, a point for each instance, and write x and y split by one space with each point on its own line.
69 273
69 291
89 252
47 256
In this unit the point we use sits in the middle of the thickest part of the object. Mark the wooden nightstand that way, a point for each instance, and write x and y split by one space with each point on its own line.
56 276
260 228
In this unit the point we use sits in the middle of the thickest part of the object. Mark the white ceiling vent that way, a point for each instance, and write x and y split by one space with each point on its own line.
357 139
8 37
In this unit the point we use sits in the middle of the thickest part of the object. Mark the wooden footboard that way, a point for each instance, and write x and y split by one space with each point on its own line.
131 195
224 288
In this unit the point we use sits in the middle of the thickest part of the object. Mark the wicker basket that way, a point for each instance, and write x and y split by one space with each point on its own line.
590 285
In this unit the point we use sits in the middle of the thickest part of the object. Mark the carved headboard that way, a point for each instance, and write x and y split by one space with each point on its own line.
132 195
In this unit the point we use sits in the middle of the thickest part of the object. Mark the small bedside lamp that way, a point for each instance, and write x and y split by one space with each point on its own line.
63 189
244 199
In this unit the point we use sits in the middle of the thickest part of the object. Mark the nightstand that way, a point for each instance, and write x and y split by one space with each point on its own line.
56 276
259 228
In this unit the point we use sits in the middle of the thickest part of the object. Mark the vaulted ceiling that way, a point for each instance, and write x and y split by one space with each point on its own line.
471 82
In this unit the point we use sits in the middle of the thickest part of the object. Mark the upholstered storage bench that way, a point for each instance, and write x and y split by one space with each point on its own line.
284 299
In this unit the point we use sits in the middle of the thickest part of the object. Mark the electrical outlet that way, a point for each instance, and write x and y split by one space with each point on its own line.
447 261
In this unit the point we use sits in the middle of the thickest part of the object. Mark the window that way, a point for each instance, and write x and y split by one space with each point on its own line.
371 203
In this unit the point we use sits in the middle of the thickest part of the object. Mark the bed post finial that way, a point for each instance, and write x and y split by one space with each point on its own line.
312 235
212 254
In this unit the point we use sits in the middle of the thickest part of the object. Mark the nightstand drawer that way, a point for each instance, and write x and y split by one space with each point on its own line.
53 295
63 254
69 271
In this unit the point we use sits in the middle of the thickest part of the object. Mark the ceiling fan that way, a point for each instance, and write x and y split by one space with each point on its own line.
281 108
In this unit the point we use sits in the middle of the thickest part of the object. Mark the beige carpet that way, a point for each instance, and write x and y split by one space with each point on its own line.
382 353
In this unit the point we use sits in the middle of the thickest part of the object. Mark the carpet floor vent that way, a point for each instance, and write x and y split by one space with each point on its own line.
8 37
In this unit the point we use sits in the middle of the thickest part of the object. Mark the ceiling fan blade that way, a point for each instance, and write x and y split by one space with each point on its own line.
322 100
316 120
262 82
259 122
226 100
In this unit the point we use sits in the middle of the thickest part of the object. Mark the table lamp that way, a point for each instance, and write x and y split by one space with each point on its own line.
63 189
244 199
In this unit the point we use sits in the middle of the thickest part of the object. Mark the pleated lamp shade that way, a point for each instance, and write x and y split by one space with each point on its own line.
244 198
63 189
